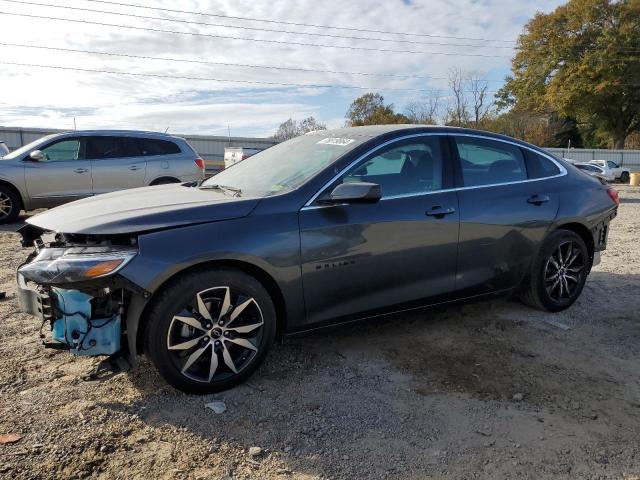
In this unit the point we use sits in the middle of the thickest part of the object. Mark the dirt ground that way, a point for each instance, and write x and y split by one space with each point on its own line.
489 390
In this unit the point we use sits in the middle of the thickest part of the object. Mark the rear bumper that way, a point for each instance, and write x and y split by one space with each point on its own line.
600 231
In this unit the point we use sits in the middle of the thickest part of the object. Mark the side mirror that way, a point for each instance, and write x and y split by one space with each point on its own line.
355 192
36 156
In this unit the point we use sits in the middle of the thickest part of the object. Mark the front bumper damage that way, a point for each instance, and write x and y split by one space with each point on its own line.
71 315
95 317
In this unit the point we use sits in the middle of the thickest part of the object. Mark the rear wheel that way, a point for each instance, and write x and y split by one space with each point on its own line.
624 178
559 272
9 205
210 330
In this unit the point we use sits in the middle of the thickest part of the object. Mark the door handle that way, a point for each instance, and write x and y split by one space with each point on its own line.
81 170
440 212
134 167
538 199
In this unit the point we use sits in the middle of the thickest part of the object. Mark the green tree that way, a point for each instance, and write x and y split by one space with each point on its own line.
582 61
369 109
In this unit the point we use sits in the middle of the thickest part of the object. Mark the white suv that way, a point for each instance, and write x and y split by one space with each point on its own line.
64 167
613 171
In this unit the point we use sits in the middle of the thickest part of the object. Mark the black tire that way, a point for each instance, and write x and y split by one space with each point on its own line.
166 332
543 273
9 205
624 178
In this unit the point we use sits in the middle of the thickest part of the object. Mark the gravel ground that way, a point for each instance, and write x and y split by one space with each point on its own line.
487 390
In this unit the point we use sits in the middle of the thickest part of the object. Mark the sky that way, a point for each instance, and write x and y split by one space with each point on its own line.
194 84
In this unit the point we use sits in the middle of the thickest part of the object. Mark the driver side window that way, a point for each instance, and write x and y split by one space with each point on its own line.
406 167
62 151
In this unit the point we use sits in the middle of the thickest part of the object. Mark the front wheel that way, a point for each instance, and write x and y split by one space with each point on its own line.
9 205
210 330
559 272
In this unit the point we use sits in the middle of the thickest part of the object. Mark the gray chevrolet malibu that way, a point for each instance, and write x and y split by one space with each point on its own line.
328 227
63 167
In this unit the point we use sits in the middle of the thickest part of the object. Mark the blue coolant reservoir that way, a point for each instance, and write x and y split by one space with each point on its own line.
76 328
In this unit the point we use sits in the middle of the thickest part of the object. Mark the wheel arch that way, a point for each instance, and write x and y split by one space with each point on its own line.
584 232
267 281
15 190
164 180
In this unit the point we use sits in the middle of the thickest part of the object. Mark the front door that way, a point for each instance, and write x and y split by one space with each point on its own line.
62 176
361 258
117 163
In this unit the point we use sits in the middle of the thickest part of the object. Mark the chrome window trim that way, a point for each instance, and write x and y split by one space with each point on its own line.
563 171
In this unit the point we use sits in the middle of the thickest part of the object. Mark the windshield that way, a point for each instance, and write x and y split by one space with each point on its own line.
27 147
284 167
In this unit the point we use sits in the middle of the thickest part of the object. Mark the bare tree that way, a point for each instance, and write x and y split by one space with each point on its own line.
481 102
425 110
310 124
286 130
458 110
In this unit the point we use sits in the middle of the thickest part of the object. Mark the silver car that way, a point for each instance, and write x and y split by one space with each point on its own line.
593 170
64 167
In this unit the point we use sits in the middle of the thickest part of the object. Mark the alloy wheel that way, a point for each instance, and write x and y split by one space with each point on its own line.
216 335
6 205
564 271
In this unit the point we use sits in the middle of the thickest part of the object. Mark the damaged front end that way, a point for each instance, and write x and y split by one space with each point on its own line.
71 283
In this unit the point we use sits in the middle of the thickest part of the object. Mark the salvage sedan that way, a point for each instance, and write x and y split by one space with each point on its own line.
327 227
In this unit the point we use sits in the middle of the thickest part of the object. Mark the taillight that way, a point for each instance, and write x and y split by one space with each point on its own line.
200 163
613 194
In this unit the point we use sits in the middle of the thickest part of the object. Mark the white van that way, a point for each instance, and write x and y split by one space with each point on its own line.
236 154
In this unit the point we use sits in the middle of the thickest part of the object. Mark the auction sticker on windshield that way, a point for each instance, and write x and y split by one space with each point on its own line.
336 141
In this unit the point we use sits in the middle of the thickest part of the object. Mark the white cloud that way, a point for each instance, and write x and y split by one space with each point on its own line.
51 98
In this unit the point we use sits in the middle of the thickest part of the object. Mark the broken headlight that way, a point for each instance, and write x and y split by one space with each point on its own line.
76 264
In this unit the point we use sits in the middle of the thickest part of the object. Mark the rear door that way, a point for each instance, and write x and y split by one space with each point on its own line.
507 201
62 176
116 163
365 257
166 160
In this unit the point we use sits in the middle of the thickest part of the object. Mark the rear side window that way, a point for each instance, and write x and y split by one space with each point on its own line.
129 147
152 146
98 148
538 166
489 162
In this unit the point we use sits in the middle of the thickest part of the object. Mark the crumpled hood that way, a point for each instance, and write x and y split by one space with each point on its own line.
141 209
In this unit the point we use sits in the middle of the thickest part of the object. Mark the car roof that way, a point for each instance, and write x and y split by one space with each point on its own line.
377 130
371 131
138 133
